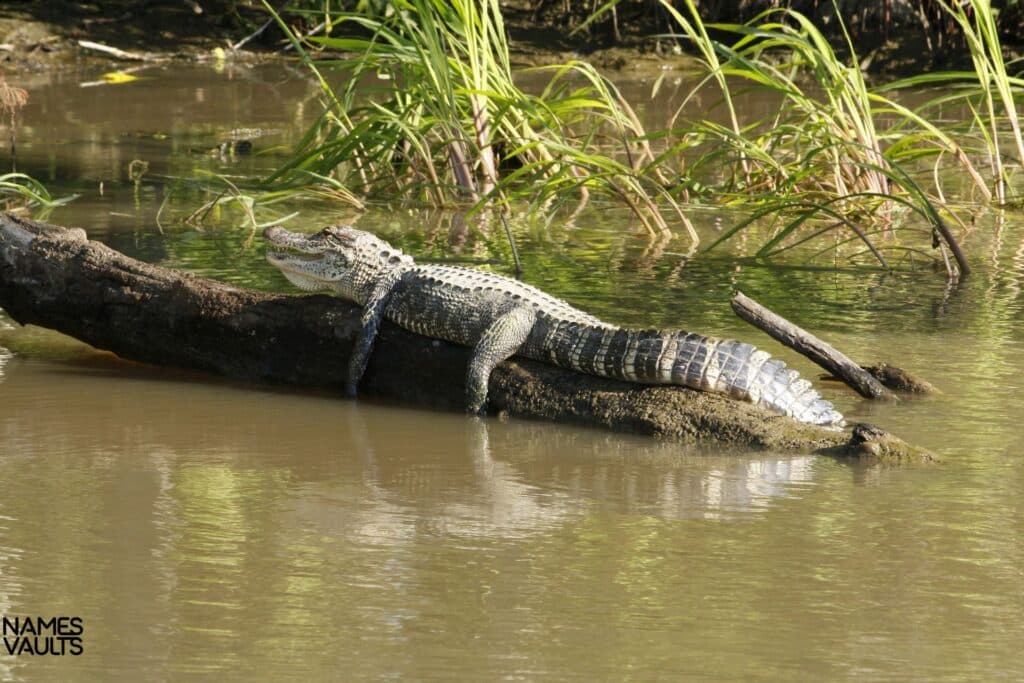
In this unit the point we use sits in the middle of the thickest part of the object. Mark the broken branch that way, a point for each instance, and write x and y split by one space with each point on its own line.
802 341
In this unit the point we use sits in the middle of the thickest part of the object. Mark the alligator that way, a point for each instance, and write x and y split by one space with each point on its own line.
499 317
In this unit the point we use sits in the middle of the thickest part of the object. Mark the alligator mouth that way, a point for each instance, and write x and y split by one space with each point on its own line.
293 267
292 253
293 260
285 257
290 248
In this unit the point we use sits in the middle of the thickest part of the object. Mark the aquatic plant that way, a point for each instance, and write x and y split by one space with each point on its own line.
19 189
429 110
227 196
818 162
822 139
821 162
989 92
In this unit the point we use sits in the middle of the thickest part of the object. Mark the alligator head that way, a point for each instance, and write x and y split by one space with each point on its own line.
338 258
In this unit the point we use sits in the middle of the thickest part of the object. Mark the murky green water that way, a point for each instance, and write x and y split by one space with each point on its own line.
205 530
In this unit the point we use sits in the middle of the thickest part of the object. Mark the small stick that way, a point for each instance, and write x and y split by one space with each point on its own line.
114 52
254 34
806 343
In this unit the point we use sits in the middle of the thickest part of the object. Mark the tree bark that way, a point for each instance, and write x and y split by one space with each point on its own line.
900 380
802 341
56 278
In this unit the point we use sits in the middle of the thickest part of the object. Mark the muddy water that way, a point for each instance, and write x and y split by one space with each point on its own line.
206 530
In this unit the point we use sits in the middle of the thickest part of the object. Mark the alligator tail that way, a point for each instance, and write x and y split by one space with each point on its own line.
695 361
746 372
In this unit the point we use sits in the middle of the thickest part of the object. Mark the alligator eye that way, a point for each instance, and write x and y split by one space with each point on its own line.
339 234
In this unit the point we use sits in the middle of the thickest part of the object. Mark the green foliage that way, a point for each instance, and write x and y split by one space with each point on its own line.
823 154
18 189
429 110
989 93
823 139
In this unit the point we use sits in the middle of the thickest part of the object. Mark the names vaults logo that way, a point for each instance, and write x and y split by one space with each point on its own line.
56 636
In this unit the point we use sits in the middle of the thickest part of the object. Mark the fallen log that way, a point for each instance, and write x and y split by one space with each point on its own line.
870 381
56 278
802 341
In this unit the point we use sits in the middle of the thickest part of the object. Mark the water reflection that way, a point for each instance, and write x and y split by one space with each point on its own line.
5 354
264 533
228 515
487 475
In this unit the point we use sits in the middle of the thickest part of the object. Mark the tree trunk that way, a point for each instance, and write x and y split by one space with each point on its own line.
54 277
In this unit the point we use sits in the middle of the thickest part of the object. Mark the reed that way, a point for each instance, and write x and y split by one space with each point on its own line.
989 92
823 138
429 111
19 189
821 162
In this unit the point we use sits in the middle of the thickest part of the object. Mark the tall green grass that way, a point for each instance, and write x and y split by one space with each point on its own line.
19 189
838 154
429 111
823 138
989 92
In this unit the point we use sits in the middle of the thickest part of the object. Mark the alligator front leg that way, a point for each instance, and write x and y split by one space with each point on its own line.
498 342
373 314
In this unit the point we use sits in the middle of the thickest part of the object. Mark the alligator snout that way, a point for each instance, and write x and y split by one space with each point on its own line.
274 232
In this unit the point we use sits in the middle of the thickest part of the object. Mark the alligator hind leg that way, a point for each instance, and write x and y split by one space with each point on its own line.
498 342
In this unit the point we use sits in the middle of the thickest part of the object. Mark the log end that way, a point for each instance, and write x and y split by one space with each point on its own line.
900 380
874 444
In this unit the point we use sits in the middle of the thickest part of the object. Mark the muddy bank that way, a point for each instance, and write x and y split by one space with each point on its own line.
903 36
37 35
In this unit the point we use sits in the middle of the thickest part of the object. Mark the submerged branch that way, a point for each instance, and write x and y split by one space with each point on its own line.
117 53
